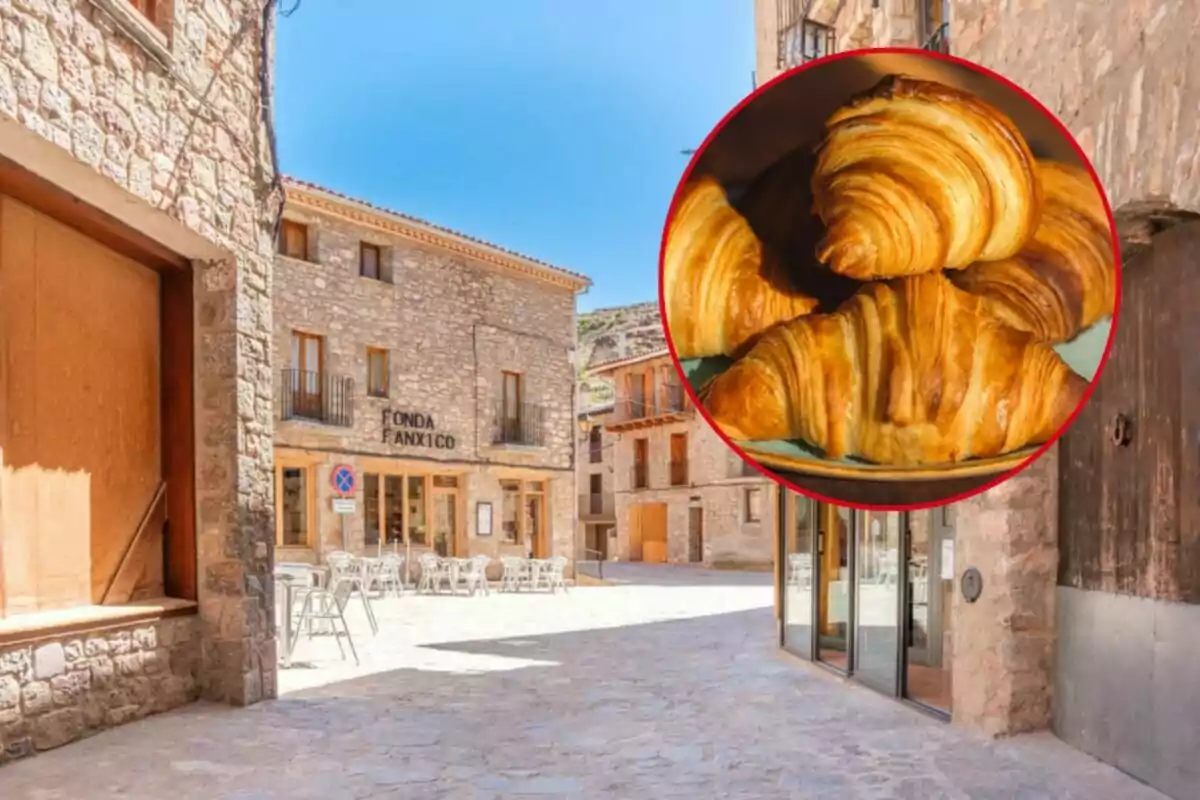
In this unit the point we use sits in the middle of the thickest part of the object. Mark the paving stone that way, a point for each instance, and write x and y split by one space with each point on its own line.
667 691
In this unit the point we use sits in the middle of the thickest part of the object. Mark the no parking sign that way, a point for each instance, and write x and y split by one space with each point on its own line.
342 478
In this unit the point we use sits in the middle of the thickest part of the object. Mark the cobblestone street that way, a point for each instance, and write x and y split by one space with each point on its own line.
666 685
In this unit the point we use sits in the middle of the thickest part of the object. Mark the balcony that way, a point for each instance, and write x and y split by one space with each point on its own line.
672 405
939 41
317 397
679 472
639 477
521 426
800 39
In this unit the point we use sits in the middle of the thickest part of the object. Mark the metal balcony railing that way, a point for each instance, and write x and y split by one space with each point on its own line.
679 472
522 425
317 396
800 39
673 400
939 40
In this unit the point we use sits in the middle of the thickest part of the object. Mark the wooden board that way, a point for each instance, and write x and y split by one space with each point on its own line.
1129 515
83 410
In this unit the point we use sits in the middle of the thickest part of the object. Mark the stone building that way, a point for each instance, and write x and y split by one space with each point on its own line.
681 495
1088 618
597 498
437 369
138 204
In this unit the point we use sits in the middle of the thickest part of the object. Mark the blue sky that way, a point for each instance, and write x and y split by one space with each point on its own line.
552 127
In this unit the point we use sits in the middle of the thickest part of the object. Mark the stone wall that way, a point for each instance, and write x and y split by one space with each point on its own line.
714 475
60 689
451 328
172 121
1120 75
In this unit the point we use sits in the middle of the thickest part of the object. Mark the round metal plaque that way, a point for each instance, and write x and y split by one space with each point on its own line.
972 584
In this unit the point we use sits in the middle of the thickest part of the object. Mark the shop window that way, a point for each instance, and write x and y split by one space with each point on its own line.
377 372
754 505
417 522
293 239
510 517
393 508
296 506
371 509
370 261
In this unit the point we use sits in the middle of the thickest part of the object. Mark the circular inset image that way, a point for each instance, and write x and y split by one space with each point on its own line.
889 278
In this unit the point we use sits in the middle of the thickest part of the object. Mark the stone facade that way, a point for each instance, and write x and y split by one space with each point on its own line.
160 125
453 315
738 504
1122 79
53 691
597 510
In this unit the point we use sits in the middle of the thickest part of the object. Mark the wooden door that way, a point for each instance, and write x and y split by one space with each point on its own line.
654 533
679 459
695 534
80 417
1129 468
308 365
637 385
635 532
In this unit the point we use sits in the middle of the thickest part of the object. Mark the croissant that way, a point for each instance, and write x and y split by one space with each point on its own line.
1065 279
907 372
914 177
720 285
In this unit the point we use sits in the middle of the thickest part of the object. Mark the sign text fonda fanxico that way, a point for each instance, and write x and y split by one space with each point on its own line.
414 429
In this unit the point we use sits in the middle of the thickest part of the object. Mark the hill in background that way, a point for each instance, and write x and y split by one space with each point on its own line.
609 333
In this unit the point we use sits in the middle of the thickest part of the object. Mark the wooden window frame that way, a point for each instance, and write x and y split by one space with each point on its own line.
302 337
383 470
292 225
525 489
147 8
519 379
282 462
372 389
363 249
747 516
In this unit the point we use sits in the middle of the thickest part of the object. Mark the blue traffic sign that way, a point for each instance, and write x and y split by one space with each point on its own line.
343 479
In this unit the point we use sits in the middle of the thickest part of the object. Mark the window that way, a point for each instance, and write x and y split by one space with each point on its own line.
370 261
394 509
510 515
754 505
377 372
306 384
371 509
679 459
641 454
295 505
511 427
800 39
512 396
293 240
595 445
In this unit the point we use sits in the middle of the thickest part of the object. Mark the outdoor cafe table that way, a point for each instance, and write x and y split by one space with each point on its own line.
454 569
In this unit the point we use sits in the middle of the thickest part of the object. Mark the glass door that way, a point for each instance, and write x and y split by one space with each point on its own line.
877 601
445 515
929 627
835 540
799 544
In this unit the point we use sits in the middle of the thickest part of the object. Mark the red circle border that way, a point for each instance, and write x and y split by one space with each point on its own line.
1029 98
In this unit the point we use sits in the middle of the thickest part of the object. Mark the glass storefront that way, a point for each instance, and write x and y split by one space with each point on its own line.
847 603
